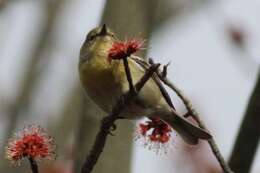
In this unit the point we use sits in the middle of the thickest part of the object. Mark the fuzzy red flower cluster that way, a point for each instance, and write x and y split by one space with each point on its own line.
160 131
124 49
31 142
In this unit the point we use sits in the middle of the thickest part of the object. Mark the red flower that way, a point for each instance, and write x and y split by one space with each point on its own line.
31 142
121 50
160 131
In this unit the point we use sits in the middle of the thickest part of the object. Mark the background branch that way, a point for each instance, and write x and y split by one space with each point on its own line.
247 141
31 74
32 71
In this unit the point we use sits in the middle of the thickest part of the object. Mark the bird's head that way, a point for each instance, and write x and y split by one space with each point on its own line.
98 40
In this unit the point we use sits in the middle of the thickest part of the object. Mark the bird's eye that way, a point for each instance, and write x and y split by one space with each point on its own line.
91 37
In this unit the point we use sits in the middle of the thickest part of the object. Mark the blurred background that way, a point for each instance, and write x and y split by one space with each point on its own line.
213 47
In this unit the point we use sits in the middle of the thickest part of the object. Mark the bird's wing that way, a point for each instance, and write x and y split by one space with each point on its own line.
150 94
143 65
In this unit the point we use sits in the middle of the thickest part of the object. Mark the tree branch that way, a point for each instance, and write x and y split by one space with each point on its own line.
190 109
33 164
195 115
248 136
128 75
108 121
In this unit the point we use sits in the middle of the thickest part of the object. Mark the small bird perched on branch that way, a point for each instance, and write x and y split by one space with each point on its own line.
105 81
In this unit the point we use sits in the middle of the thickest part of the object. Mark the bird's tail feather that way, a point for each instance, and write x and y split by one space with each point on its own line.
189 132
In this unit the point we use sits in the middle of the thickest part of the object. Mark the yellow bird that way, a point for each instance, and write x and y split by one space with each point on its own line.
105 82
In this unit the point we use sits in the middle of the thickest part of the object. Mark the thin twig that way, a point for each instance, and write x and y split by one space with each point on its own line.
191 112
128 74
108 121
33 164
201 124
165 94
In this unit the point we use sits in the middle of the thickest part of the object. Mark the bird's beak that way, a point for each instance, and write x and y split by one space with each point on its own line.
103 30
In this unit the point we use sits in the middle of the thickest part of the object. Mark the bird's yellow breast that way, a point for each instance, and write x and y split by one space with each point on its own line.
102 80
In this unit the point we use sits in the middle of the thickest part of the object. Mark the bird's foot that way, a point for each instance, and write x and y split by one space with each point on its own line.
112 129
